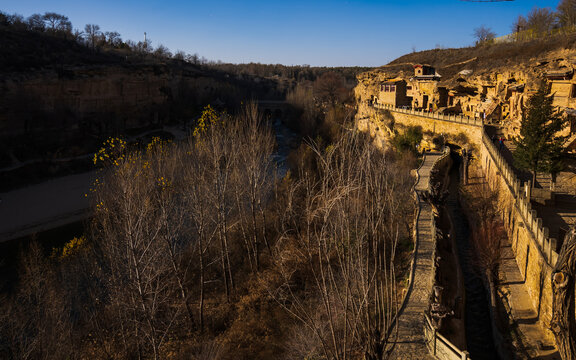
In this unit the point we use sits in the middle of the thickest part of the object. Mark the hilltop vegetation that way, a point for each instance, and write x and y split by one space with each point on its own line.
485 57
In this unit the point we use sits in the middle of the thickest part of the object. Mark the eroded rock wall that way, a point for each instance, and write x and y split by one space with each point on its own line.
495 94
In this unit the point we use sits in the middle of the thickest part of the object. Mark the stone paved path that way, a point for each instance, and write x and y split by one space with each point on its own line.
514 288
410 344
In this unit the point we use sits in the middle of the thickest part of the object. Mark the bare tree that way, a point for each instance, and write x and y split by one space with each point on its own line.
200 211
162 52
541 20
180 55
344 227
92 33
256 174
483 34
520 24
301 98
57 22
220 160
129 232
566 12
113 38
37 323
330 87
36 22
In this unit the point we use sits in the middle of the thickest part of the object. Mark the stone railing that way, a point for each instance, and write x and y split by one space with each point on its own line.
460 119
441 161
521 195
439 346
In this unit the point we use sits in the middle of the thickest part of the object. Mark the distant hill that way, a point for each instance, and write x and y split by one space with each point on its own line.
449 62
24 50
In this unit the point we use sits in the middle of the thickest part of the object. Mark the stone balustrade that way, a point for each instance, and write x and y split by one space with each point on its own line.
460 119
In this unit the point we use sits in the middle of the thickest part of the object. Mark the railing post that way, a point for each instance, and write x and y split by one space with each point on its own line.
548 251
465 355
528 189
539 232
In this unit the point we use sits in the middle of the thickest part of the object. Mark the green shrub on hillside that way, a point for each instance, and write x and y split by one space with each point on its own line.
411 137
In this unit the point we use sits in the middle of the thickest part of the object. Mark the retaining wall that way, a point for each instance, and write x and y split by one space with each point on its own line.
437 123
534 250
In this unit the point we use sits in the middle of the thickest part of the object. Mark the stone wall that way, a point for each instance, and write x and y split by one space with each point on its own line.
438 125
533 248
429 121
438 345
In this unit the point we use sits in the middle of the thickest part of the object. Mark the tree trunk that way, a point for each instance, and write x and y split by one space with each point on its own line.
563 323
201 305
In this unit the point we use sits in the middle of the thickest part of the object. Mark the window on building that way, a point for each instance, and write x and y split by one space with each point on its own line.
387 87
573 91
408 87
392 88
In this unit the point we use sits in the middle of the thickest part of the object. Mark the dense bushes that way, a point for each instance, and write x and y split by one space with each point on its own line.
409 140
196 249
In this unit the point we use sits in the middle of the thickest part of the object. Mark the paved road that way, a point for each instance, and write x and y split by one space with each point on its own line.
410 344
44 206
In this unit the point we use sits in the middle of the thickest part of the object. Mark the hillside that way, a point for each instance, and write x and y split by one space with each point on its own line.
59 99
26 50
491 57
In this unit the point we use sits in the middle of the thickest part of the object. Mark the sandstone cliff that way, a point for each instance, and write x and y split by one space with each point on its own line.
490 82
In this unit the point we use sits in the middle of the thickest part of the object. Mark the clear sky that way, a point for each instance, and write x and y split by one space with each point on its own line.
314 32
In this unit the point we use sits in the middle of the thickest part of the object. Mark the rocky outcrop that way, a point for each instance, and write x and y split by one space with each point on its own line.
477 88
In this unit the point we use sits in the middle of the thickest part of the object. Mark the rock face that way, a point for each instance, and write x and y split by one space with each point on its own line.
64 112
98 99
476 88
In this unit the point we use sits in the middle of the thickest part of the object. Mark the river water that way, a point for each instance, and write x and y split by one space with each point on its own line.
286 141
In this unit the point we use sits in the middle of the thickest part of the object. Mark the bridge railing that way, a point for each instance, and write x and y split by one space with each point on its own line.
439 346
460 119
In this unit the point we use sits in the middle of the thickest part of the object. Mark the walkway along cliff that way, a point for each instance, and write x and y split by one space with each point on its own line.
534 250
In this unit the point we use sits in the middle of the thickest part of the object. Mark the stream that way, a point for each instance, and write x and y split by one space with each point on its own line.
286 141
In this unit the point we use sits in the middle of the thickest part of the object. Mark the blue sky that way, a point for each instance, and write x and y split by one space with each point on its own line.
314 32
